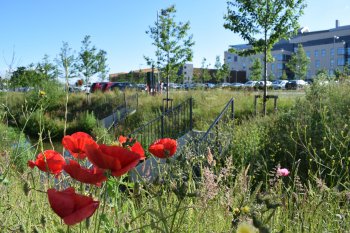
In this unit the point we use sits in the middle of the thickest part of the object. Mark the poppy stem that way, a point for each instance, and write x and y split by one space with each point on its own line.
68 229
103 207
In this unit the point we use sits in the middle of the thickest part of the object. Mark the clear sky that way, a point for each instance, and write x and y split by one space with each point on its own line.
32 28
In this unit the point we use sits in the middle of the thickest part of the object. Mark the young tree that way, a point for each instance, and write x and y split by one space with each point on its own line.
48 69
218 66
223 73
299 63
273 19
271 77
174 45
102 66
205 75
256 70
91 61
66 63
284 75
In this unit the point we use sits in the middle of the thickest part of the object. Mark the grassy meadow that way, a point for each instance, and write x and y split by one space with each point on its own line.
235 189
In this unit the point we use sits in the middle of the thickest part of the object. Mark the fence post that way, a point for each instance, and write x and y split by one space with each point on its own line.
191 105
233 109
162 126
137 101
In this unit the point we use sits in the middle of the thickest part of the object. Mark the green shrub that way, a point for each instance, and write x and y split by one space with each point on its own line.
86 122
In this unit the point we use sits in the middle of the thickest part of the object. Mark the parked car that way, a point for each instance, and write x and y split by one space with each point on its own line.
141 87
98 86
210 85
120 85
261 84
223 85
295 84
279 84
237 85
250 84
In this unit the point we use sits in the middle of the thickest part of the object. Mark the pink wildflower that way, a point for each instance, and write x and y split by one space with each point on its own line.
282 172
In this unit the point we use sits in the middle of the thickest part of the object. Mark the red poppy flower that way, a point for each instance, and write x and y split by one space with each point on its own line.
136 147
114 158
49 161
76 142
71 207
163 148
122 139
88 176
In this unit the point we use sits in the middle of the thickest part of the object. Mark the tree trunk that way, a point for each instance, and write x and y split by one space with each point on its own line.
265 75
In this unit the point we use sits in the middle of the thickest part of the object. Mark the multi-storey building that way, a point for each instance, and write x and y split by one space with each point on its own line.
327 49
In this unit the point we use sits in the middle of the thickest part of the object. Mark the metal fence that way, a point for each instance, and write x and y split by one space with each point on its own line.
120 111
216 137
172 124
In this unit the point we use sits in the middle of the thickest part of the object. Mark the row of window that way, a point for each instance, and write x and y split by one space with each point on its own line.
340 62
340 51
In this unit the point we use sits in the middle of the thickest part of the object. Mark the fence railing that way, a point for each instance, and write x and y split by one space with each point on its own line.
173 124
215 137
120 111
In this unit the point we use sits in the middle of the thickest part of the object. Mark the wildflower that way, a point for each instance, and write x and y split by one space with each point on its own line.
246 228
76 142
49 161
71 207
245 209
114 158
42 93
282 172
163 148
132 144
88 176
236 211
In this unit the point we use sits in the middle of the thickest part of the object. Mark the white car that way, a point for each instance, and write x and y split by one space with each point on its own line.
250 84
261 84
279 84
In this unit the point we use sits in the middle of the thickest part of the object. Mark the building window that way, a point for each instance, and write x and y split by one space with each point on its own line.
185 72
340 51
308 54
244 66
279 66
332 51
323 52
229 58
316 53
272 67
235 58
317 63
348 50
185 67
332 62
340 61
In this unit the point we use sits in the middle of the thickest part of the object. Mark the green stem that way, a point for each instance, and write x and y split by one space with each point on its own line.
176 211
103 208
163 219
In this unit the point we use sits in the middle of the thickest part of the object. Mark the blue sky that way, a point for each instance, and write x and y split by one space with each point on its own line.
32 28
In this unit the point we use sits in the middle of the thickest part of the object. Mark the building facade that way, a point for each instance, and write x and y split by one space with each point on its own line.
327 50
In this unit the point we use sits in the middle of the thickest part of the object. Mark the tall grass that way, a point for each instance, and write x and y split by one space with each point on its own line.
217 190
